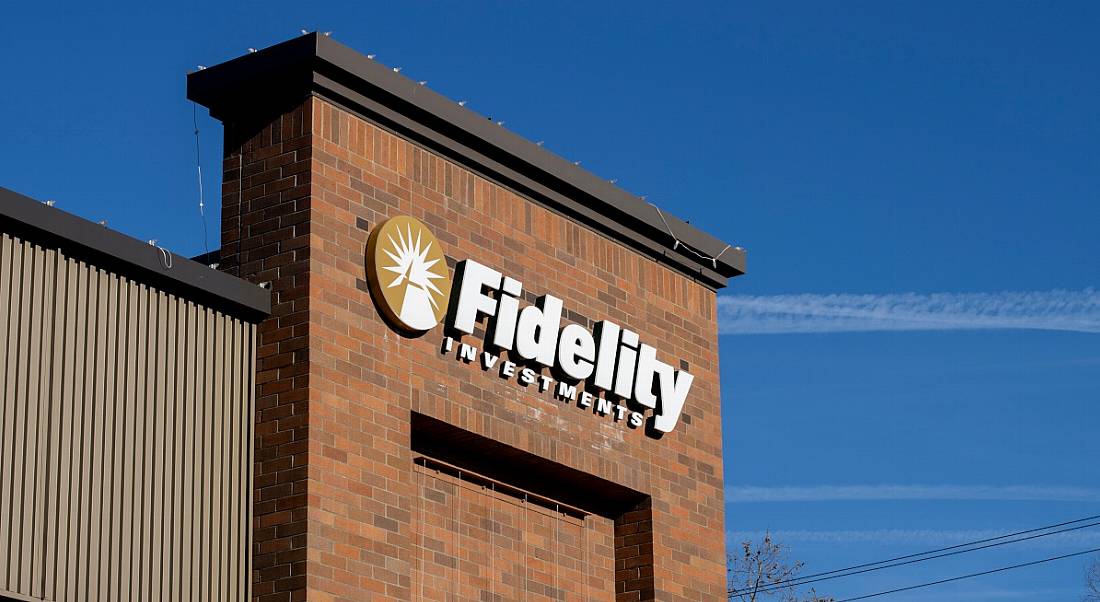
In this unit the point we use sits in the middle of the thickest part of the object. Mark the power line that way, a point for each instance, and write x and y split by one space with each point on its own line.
961 577
807 580
914 558
955 553
954 547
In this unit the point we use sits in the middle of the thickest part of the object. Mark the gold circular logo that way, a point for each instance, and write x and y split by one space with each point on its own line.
408 274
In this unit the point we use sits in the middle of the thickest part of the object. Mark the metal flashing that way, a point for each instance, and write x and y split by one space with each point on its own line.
48 226
316 64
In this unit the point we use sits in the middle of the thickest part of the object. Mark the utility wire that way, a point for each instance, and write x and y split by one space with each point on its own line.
198 164
954 547
914 558
971 575
897 564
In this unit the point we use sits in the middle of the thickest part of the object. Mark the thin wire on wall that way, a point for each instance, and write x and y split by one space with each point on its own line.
198 166
677 243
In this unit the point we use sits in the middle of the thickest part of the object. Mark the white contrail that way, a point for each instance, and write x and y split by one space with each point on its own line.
1077 311
839 493
928 537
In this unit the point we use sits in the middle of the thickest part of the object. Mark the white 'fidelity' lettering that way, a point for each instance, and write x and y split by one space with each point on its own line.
647 369
504 333
624 374
674 391
537 330
608 333
576 352
471 300
609 358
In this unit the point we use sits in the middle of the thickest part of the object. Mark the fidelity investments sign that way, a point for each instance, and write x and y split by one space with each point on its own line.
408 276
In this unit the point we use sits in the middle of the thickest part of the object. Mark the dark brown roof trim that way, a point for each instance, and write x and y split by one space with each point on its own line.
107 249
314 64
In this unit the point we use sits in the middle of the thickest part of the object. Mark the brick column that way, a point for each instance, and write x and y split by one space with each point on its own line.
265 238
321 145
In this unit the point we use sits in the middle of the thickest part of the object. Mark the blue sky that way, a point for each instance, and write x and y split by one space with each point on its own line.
893 168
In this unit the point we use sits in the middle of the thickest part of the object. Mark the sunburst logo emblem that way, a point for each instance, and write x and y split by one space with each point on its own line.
408 274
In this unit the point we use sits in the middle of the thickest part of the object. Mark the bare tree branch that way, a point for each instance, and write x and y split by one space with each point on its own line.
1092 582
763 571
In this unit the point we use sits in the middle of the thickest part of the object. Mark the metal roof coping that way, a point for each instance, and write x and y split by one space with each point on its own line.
317 64
97 245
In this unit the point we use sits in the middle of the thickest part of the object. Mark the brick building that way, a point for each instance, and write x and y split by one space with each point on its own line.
410 463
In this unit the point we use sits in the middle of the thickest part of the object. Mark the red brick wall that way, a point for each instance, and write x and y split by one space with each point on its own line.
469 538
363 380
265 238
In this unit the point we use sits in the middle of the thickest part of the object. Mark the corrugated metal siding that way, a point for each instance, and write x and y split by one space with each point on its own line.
126 430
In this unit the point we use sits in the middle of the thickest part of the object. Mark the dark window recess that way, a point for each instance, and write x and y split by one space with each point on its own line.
501 488
525 471
634 553
473 458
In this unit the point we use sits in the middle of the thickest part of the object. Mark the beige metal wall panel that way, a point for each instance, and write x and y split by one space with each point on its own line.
9 314
125 437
